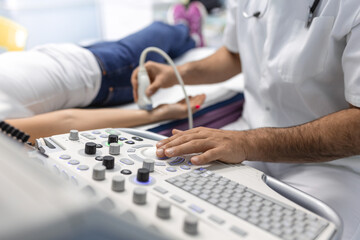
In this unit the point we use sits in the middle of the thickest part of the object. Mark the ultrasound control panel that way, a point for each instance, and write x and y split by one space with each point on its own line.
173 197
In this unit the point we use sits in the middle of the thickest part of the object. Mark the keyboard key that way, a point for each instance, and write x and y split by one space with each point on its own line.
216 219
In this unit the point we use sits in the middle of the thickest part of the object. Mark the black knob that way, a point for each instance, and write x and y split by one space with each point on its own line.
9 129
20 135
113 138
15 132
143 175
4 126
25 138
2 123
108 162
90 148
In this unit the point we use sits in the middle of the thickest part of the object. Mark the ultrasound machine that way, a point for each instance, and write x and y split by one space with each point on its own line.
109 184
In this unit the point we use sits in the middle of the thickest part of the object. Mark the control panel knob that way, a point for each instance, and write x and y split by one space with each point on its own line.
108 162
163 209
190 225
113 138
118 184
90 148
139 196
114 149
149 164
143 175
74 135
99 173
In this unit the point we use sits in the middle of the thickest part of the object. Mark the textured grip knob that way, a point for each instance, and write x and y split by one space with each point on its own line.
149 164
143 175
74 135
163 209
99 173
114 149
90 148
190 225
139 196
118 184
108 162
113 138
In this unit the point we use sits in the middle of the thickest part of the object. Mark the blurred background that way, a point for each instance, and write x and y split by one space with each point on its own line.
87 21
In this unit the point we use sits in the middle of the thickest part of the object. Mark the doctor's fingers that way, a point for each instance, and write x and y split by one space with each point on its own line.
193 146
134 83
183 136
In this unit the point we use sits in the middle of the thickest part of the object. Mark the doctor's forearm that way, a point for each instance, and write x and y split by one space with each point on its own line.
218 67
331 137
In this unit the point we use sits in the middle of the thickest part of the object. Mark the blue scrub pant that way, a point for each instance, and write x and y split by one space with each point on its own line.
118 59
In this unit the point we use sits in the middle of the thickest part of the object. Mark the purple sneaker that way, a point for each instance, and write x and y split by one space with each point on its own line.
196 15
177 15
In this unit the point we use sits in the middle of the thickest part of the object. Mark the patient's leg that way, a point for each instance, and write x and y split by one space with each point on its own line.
118 59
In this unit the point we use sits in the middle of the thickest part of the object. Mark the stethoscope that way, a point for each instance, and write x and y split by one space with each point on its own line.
259 14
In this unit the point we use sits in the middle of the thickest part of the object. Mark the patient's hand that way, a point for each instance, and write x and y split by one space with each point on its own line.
178 110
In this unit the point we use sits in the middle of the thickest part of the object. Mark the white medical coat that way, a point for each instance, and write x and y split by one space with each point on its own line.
295 74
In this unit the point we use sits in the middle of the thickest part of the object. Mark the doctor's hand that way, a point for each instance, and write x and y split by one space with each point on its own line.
161 76
212 144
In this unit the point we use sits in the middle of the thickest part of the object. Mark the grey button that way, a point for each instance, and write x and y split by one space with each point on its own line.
99 172
96 132
190 225
216 219
163 209
118 184
88 136
112 131
185 167
142 146
139 196
104 136
160 164
160 189
127 161
131 150
177 161
83 167
238 231
74 135
65 157
177 198
73 162
171 169
136 157
196 208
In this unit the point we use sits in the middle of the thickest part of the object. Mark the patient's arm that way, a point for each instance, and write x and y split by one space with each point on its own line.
62 121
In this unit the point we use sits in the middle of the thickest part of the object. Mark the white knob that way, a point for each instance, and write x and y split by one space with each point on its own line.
114 149
139 196
118 184
190 225
149 164
163 209
99 172
74 135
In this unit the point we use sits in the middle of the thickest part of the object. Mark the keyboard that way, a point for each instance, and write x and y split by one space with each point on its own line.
270 215
172 197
